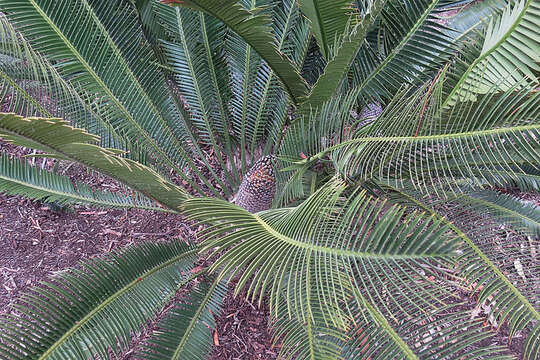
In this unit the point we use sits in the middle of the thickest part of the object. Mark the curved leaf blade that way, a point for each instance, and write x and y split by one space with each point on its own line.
55 136
255 29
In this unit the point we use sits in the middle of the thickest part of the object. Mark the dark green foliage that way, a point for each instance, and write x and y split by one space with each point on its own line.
383 129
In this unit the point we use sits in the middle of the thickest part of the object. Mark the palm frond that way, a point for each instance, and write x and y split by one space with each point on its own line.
121 78
186 331
414 46
190 56
84 312
313 338
527 180
255 29
328 19
301 245
505 208
508 56
32 86
339 64
57 138
503 279
20 178
415 139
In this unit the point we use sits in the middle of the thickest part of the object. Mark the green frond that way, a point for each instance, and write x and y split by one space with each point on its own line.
416 139
32 86
313 338
339 64
190 56
506 209
415 45
87 311
56 137
504 279
120 77
314 247
186 331
508 55
19 178
292 34
528 180
253 26
439 332
328 19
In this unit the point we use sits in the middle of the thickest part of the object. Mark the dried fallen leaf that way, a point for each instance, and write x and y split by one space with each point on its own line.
216 338
112 232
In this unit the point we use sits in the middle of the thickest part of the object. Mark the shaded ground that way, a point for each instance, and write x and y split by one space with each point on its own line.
37 240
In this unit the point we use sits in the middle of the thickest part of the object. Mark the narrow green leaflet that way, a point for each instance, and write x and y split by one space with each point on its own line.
56 137
504 279
111 60
84 312
20 178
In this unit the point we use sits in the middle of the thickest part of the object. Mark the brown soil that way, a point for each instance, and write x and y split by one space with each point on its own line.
38 239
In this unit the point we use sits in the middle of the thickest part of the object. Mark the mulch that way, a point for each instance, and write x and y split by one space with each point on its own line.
38 239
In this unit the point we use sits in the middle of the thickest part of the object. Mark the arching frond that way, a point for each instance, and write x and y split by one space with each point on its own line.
415 139
254 28
32 86
508 56
191 57
57 138
527 180
186 331
501 274
85 312
350 40
505 208
120 77
328 19
313 247
19 178
414 47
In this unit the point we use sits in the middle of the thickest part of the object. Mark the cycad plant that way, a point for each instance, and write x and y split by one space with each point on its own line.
392 125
